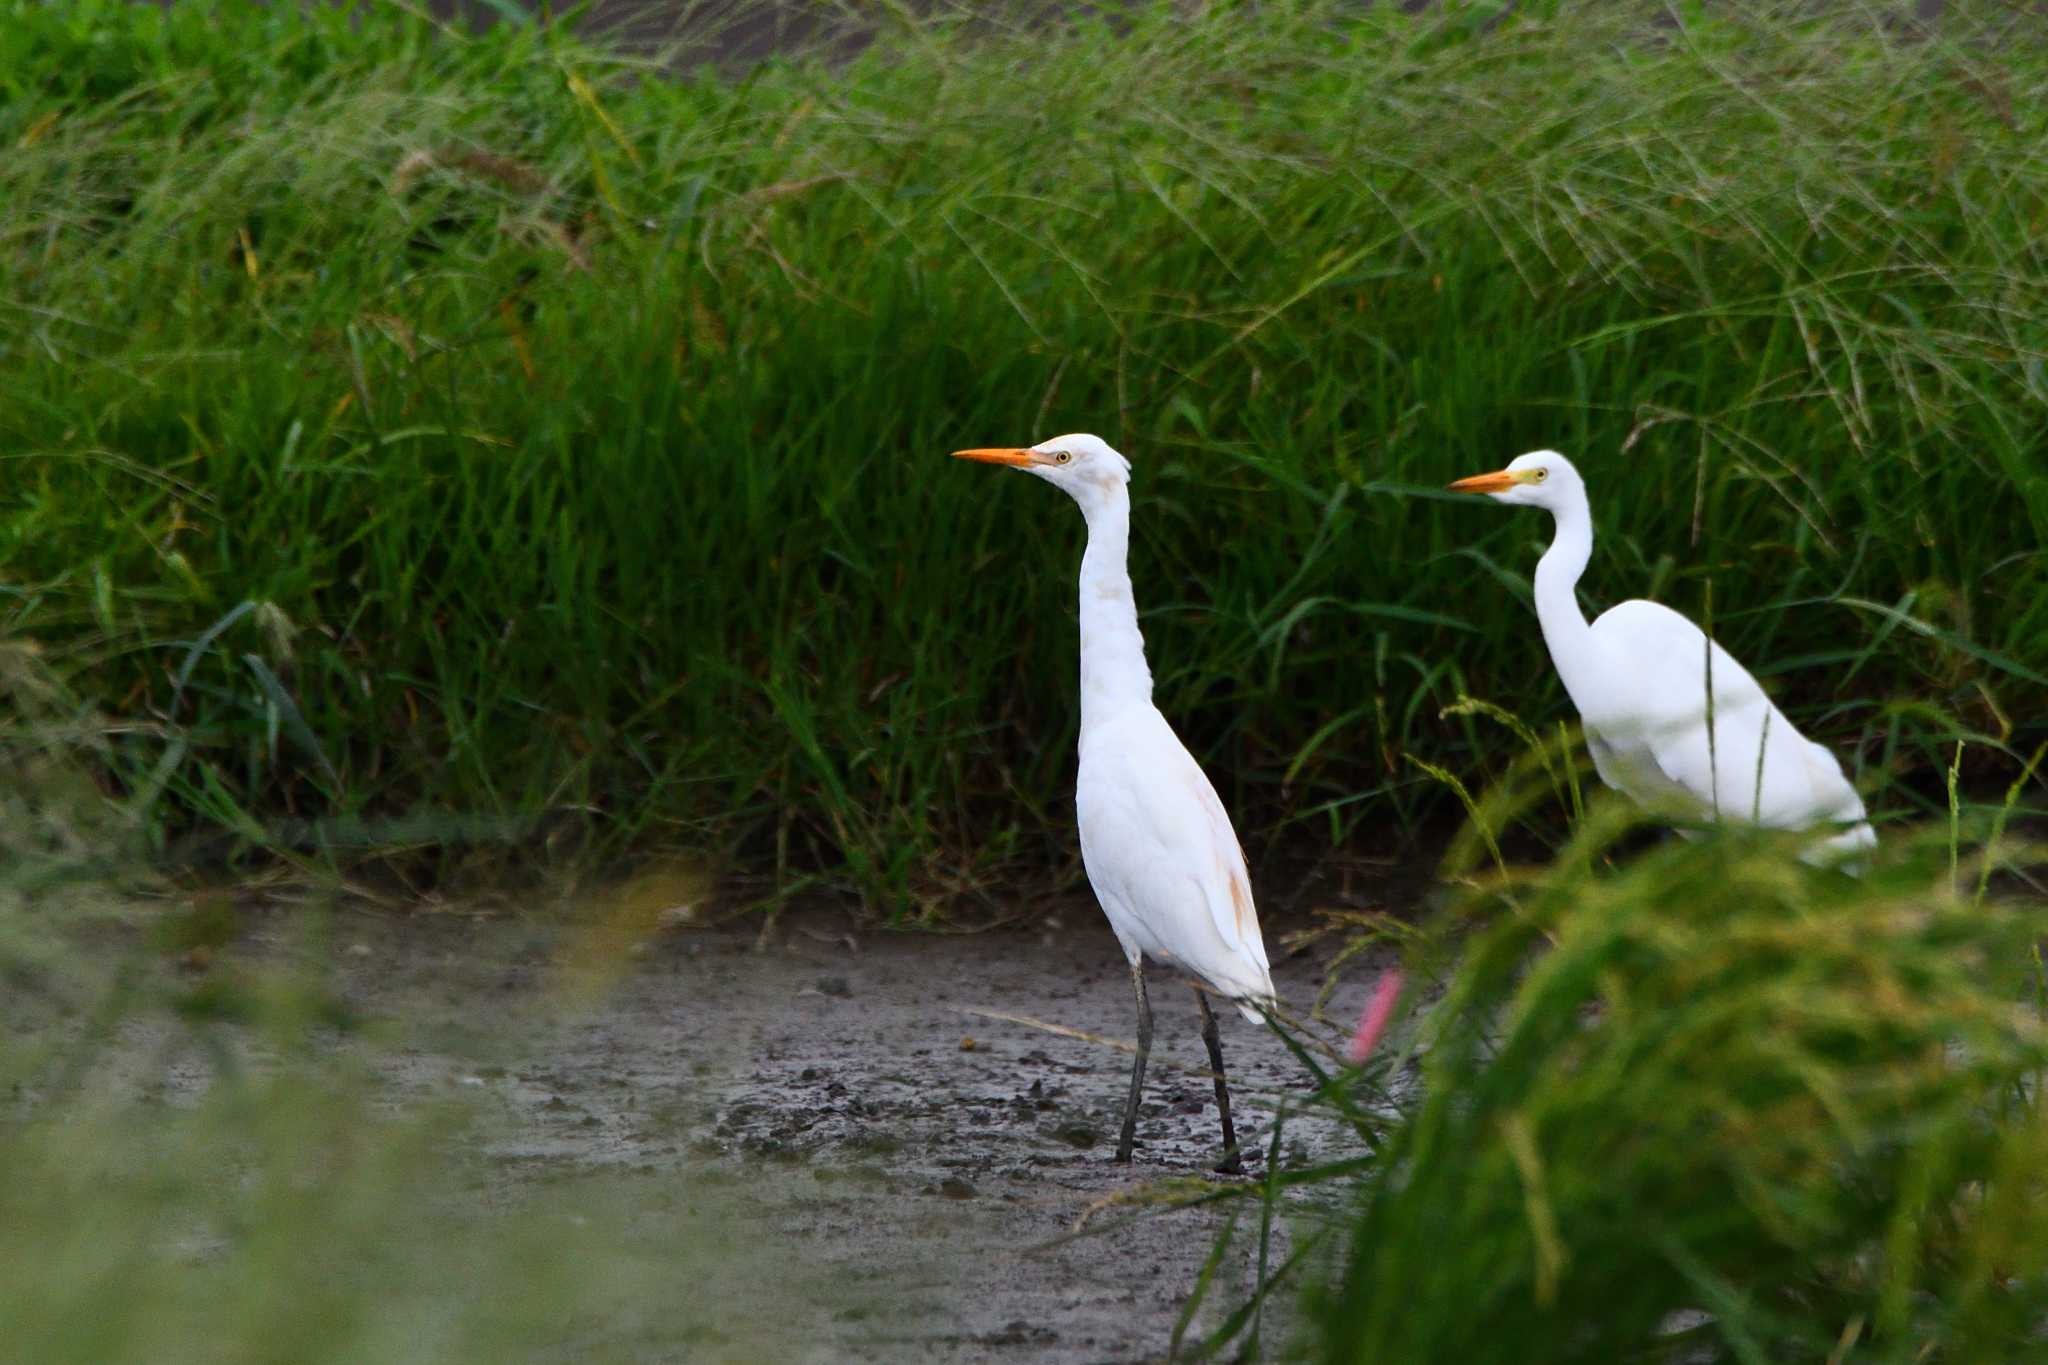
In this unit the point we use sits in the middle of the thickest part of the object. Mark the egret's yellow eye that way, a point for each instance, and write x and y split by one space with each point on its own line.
1063 456
1542 473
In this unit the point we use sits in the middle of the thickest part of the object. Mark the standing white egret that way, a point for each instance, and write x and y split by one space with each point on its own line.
1159 849
1638 676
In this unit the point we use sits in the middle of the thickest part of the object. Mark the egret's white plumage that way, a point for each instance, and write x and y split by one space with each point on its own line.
1638 676
1159 848
1163 858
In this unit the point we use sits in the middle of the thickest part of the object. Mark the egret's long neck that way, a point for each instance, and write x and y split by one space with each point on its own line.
1113 671
1570 640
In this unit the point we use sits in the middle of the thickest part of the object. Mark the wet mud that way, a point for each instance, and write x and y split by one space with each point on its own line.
893 1177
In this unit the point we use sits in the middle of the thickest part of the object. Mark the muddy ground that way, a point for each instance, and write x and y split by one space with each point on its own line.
876 1174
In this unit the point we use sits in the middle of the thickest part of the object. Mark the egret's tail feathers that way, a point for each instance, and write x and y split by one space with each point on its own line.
1248 986
1840 850
1261 997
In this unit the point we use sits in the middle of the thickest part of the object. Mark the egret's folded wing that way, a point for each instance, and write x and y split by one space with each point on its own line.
1162 849
1188 818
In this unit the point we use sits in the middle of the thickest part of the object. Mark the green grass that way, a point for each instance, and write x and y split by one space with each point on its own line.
1809 1108
405 429
1695 1103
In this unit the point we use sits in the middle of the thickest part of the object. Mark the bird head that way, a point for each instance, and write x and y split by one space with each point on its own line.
1542 478
1087 467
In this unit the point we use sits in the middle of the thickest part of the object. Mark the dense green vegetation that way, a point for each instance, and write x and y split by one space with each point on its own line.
1709 1106
418 438
409 433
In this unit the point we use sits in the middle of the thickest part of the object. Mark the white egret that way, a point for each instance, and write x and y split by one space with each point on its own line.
1159 849
1638 676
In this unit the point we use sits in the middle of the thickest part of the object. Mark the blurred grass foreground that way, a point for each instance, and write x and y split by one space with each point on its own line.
1714 1107
412 434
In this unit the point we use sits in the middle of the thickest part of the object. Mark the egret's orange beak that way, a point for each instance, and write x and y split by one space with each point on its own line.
1500 481
1009 455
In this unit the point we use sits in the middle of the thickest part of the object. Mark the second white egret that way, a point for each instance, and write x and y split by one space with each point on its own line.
1639 678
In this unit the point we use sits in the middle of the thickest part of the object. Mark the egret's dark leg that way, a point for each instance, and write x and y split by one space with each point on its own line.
1232 1163
1130 1133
